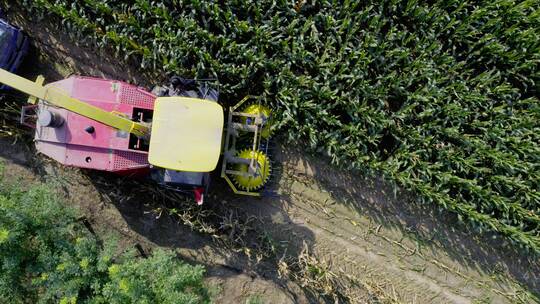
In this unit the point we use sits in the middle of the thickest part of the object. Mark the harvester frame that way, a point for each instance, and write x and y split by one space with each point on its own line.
255 124
181 163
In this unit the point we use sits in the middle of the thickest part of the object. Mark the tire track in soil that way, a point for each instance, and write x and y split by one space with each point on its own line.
372 251
406 259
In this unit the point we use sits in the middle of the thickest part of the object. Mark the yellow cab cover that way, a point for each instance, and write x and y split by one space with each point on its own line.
186 134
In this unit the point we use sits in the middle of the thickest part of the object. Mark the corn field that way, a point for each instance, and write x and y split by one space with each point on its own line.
439 96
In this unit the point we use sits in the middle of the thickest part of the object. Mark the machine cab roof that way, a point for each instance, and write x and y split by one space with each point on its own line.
186 134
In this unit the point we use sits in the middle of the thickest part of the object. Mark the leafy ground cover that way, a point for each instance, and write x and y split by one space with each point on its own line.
47 255
439 96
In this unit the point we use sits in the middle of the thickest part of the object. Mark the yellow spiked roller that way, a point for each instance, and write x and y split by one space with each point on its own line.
260 178
265 112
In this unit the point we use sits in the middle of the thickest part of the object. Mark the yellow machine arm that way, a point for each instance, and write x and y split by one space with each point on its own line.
56 97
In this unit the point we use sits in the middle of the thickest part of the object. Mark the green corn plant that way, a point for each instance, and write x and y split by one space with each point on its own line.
438 96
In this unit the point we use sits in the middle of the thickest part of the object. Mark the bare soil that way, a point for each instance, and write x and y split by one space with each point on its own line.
366 243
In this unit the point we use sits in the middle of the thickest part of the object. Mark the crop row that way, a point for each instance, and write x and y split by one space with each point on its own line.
439 96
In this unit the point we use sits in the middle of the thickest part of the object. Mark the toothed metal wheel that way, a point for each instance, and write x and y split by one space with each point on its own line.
255 182
266 114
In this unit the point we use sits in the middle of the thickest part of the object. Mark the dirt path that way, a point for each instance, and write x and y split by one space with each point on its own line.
409 250
229 274
365 242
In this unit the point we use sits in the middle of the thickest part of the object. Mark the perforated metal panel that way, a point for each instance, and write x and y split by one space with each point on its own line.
102 149
133 96
123 160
